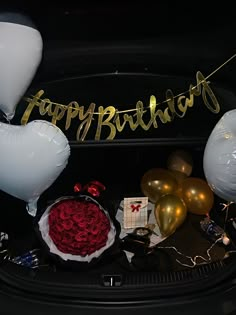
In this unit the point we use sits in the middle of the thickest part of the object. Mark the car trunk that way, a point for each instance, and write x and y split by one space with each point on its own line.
119 71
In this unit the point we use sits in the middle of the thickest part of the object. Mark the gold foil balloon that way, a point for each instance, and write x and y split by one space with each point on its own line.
197 195
170 213
179 176
158 182
180 161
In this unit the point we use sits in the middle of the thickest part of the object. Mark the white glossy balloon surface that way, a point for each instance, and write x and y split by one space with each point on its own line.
31 159
20 55
219 159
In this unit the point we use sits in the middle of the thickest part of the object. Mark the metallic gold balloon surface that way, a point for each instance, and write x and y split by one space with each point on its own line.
180 161
158 182
197 195
170 213
179 176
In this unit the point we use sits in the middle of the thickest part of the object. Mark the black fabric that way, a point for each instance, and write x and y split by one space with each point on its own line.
189 240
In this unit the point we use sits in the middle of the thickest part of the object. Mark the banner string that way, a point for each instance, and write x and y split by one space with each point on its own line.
136 109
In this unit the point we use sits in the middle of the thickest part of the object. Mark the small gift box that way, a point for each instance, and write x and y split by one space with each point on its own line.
135 212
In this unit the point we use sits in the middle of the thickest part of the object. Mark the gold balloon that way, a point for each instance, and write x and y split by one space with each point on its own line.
180 161
197 195
170 212
179 176
158 182
178 192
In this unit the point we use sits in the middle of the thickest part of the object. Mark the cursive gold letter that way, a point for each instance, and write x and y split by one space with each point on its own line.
110 110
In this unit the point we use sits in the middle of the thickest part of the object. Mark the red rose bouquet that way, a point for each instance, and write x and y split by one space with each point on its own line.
77 229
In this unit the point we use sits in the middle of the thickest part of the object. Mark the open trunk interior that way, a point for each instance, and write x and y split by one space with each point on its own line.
120 165
119 73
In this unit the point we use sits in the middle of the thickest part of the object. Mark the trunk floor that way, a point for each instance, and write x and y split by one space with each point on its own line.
188 239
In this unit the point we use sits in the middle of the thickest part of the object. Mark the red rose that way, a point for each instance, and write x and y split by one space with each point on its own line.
55 236
67 238
64 211
70 206
59 227
92 217
81 236
83 252
64 215
52 218
74 244
80 219
67 224
95 229
62 248
78 227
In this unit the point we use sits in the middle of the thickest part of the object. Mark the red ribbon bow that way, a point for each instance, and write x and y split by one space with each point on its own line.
94 188
135 208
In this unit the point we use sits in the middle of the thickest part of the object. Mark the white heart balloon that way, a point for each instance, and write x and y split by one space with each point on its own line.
219 160
31 159
20 55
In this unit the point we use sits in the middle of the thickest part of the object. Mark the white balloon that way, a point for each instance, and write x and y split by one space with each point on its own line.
20 55
31 159
219 161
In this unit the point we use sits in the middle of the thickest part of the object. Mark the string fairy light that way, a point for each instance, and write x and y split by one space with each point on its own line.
150 105
226 209
194 259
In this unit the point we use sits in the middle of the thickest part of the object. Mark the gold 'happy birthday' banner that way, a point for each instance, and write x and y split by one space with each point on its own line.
116 120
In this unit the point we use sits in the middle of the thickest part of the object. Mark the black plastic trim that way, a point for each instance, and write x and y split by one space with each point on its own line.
144 285
140 142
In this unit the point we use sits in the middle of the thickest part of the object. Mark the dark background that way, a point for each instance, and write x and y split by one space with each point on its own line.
183 37
125 19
